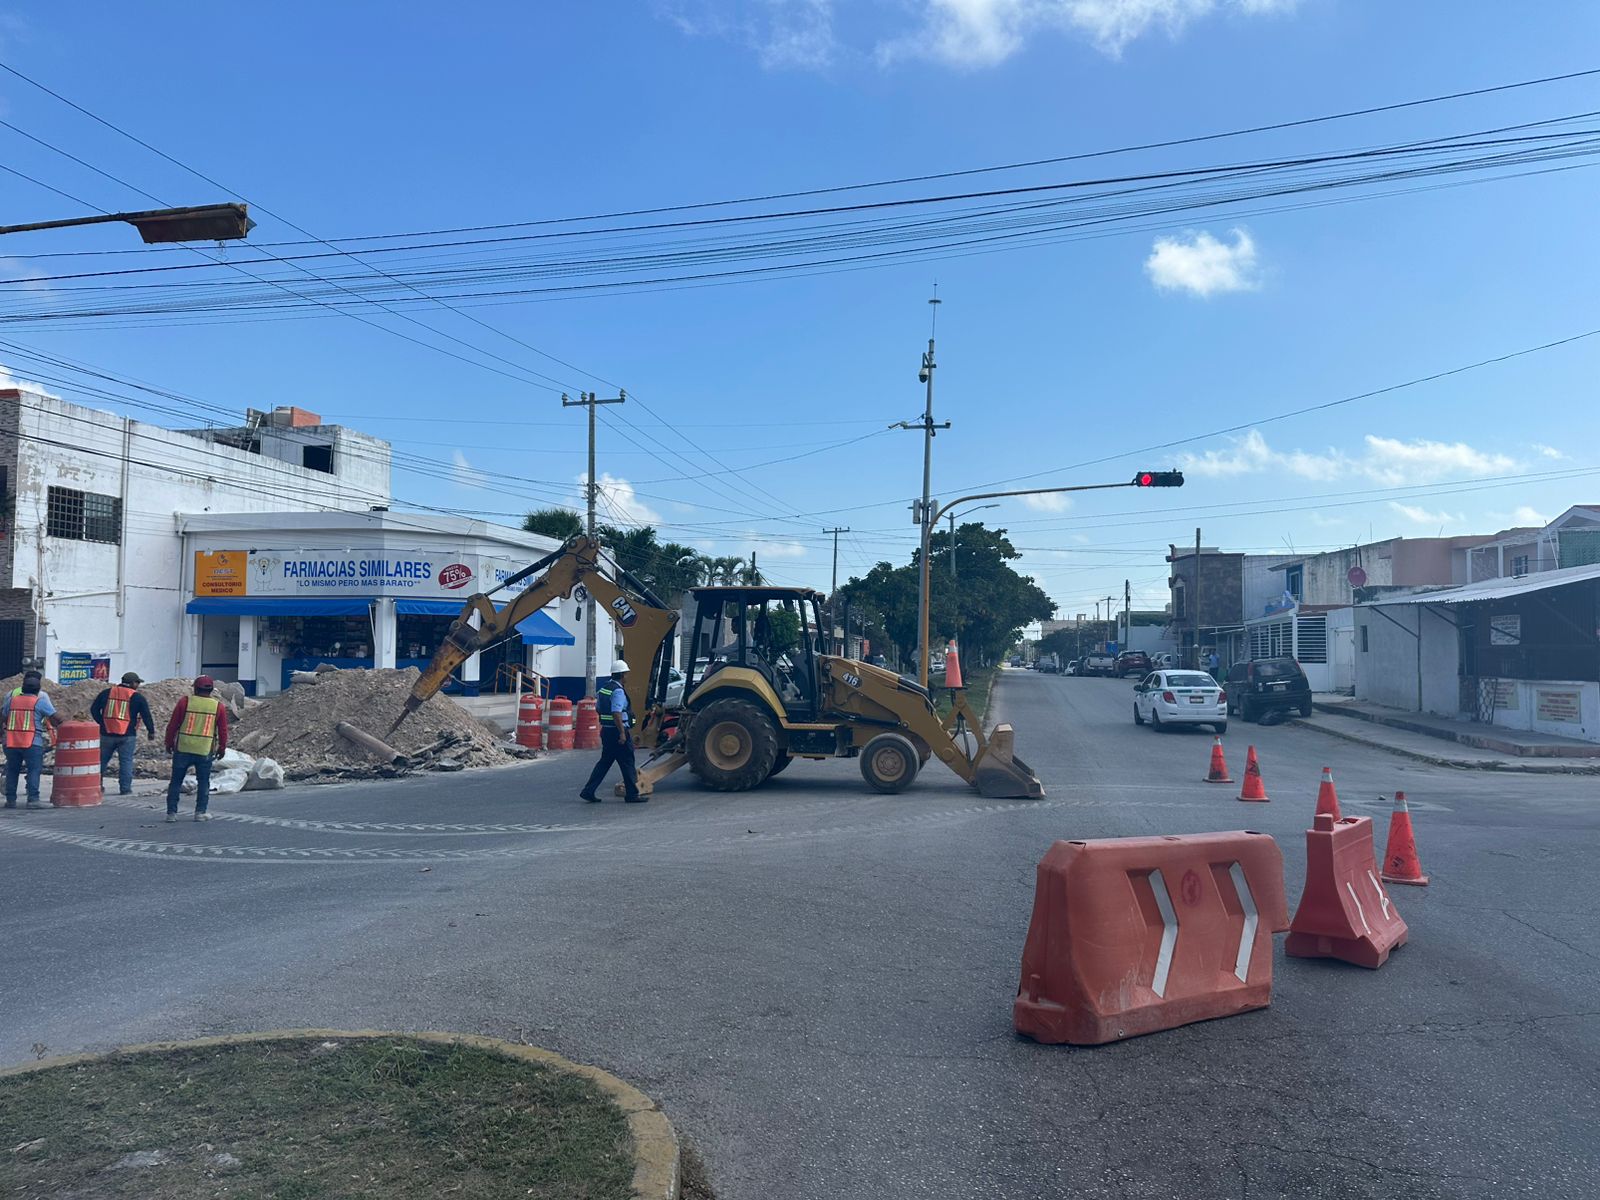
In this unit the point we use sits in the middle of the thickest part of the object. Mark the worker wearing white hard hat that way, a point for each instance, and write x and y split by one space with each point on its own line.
616 738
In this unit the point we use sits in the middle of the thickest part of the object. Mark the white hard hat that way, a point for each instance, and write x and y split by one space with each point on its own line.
619 667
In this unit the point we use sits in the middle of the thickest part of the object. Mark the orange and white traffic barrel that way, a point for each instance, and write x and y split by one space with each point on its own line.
588 733
530 721
76 778
558 724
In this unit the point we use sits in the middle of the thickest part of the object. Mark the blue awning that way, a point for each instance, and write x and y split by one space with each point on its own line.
542 630
427 608
280 606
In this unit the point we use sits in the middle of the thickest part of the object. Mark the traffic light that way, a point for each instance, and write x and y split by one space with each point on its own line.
1158 479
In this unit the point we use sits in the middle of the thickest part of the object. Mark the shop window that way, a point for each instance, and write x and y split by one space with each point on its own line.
317 458
83 516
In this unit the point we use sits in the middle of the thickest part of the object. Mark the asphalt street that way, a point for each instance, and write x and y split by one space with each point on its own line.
816 981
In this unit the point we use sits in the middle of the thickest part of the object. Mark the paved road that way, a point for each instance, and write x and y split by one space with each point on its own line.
816 981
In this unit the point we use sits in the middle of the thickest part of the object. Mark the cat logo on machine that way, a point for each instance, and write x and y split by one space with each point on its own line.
625 614
853 680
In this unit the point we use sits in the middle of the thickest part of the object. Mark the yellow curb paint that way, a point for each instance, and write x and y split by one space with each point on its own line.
655 1142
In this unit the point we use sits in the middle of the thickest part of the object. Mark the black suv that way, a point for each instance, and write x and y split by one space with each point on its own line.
1268 683
1133 662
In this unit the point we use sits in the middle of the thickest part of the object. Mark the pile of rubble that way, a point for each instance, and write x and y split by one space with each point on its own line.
300 728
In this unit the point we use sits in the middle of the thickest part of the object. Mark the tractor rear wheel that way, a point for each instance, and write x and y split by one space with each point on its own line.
733 745
889 762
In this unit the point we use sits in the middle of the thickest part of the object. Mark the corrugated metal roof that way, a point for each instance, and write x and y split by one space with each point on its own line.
1495 589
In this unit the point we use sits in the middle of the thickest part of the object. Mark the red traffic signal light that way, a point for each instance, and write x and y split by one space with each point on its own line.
1158 479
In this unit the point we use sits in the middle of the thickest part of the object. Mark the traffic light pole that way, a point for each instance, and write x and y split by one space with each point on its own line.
1142 479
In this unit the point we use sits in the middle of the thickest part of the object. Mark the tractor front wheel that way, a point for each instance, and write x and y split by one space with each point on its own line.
889 762
733 746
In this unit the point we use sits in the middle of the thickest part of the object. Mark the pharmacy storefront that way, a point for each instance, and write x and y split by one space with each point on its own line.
260 612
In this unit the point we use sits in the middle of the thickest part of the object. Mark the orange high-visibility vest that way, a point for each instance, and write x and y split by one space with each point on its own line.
198 734
20 726
118 718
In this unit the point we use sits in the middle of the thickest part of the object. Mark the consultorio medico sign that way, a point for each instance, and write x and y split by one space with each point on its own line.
323 573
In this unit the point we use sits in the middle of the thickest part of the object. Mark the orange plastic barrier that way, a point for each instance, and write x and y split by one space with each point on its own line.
1253 789
530 721
1327 798
558 724
1400 861
1219 765
588 737
1344 913
1133 935
75 782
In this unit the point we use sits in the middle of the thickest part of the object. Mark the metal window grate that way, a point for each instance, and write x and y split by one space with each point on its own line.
63 516
1313 637
83 516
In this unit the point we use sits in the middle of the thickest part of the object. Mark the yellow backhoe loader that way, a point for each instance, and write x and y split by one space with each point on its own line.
760 691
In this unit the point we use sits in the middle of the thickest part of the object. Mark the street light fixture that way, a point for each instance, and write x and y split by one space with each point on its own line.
952 519
197 223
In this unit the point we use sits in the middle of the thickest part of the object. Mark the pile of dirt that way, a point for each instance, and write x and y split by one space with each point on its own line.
298 728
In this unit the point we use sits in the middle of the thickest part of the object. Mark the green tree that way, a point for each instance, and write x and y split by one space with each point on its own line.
559 523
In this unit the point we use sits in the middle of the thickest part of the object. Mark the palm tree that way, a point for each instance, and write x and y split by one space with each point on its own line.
559 523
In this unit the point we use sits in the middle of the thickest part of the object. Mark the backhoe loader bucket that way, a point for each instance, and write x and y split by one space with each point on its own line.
1001 775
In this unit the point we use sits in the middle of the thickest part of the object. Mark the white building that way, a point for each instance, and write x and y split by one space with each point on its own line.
103 515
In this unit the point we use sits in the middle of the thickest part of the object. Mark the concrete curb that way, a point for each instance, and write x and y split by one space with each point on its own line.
655 1175
1543 767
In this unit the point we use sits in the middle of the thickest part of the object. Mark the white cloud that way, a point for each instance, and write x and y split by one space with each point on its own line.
783 33
618 503
1386 461
1048 502
464 473
1200 264
1421 516
982 33
1550 451
1396 463
8 380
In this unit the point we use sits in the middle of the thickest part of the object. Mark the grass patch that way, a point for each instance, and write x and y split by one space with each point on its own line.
312 1120
979 685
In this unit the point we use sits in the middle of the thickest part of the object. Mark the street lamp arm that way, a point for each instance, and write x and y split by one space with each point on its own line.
1082 487
196 223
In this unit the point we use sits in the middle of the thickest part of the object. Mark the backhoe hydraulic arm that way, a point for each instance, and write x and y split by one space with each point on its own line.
641 621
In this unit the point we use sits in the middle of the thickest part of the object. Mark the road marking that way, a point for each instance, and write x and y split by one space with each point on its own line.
1247 939
1169 934
1360 912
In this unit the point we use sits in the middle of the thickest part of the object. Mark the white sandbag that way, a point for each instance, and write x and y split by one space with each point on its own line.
223 783
264 776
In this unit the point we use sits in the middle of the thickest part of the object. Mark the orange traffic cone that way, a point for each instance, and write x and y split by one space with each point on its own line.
1219 765
952 666
1400 861
1253 788
1327 798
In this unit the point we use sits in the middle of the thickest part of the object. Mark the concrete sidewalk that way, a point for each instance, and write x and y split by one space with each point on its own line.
1411 737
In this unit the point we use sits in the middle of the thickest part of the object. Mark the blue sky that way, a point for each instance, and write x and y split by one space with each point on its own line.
354 120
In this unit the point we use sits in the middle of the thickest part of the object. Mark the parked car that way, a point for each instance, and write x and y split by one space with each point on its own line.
1072 667
1164 662
1098 664
1266 684
675 680
1133 662
1164 698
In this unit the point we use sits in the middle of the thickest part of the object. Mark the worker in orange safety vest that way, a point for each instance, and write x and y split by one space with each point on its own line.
26 714
118 710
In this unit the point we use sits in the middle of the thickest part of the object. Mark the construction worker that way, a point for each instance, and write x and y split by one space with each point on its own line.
118 711
25 713
616 740
197 734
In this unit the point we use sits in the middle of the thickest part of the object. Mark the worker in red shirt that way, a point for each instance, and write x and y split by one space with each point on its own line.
196 734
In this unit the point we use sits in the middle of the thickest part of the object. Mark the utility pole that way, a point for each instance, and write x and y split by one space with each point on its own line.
590 400
1127 615
1111 624
923 510
1196 663
834 589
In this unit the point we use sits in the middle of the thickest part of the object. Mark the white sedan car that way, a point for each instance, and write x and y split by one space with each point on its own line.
1180 698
